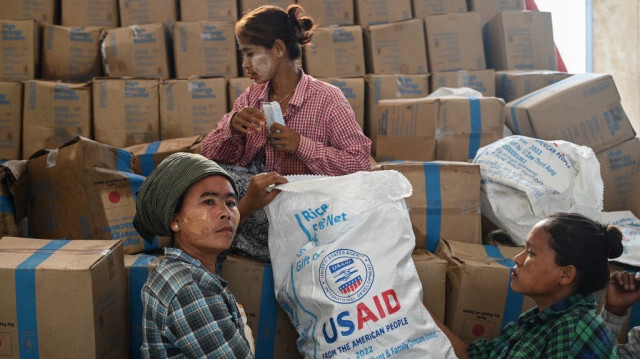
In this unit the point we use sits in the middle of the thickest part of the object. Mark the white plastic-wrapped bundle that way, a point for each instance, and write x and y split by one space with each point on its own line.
341 254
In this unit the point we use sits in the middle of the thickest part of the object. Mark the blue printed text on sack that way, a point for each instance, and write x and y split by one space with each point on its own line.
322 218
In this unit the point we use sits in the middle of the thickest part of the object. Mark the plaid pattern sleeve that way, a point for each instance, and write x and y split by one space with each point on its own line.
569 329
188 313
331 141
630 349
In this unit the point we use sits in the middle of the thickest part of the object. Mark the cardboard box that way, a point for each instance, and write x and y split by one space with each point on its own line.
372 12
126 111
43 11
53 113
149 155
62 298
455 42
480 301
136 51
138 12
335 52
634 202
459 125
432 271
422 8
248 5
329 12
205 48
71 53
397 48
353 90
81 13
137 267
584 109
387 87
236 87
490 8
520 40
19 50
191 107
618 166
480 80
445 194
466 124
10 120
513 84
208 10
85 189
8 225
251 282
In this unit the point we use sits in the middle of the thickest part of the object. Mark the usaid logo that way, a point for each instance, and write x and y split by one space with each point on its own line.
346 275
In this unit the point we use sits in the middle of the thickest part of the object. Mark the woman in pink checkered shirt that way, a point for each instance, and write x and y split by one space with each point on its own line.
320 135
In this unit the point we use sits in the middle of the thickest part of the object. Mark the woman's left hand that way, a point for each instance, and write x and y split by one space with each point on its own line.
258 195
284 141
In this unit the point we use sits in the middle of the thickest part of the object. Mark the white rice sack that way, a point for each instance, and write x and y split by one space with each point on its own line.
526 179
340 250
630 227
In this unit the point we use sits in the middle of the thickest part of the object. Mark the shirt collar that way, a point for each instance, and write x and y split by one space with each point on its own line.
179 254
298 94
569 303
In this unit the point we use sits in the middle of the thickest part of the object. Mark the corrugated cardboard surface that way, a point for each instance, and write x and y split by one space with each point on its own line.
10 120
149 155
479 298
126 111
103 13
397 48
520 40
371 12
432 271
136 51
212 10
353 90
236 86
251 282
63 298
480 80
618 166
490 8
191 107
71 53
584 109
445 194
205 48
455 42
19 49
335 52
327 13
54 113
44 11
513 84
422 8
134 12
248 5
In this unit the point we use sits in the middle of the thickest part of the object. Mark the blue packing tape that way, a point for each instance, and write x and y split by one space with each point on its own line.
25 277
138 274
268 320
6 204
513 305
476 127
434 205
146 160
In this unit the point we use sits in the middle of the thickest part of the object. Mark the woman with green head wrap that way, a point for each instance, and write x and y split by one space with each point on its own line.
188 310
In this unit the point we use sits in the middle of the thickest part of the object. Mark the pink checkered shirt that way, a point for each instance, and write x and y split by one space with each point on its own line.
331 141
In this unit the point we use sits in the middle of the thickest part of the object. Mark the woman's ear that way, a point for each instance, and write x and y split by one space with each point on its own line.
280 47
175 223
567 274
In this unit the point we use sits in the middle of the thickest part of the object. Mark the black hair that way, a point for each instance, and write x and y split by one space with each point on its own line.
585 244
266 24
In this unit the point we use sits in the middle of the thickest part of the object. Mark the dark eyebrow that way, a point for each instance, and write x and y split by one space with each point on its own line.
216 194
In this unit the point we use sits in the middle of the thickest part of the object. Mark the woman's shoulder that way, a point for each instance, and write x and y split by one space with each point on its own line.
316 86
166 279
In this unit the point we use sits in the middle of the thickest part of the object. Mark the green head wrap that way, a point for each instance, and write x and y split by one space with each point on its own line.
158 196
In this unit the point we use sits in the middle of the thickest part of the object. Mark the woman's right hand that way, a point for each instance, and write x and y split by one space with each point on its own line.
623 291
248 119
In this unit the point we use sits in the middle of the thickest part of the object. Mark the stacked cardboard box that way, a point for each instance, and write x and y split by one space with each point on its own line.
71 53
81 13
19 49
10 120
513 84
209 10
372 12
204 48
335 52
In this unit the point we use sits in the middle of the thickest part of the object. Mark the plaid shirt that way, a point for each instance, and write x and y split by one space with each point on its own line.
568 329
630 350
331 141
189 313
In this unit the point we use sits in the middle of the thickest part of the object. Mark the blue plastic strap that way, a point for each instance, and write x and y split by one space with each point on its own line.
25 277
146 160
6 204
138 274
434 205
503 85
268 316
513 305
476 127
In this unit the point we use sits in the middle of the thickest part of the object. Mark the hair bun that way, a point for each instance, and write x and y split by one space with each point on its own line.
613 235
302 23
